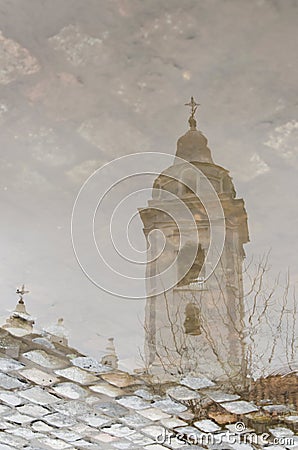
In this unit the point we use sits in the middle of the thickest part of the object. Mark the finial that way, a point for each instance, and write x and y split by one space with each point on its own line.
21 292
111 346
111 359
192 121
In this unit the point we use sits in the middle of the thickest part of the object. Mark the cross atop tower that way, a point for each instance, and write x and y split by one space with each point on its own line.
194 106
22 292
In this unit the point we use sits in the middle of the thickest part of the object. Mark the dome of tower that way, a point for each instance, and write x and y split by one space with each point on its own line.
192 146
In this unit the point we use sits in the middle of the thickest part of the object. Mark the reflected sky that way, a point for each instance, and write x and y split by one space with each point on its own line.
83 84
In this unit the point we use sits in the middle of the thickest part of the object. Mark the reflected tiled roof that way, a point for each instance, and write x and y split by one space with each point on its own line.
53 397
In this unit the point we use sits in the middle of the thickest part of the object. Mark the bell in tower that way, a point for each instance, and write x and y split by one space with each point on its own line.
196 325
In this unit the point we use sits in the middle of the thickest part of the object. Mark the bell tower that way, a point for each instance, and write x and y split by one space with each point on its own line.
196 326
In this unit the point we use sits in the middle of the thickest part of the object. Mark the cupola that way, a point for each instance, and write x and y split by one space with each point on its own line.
192 146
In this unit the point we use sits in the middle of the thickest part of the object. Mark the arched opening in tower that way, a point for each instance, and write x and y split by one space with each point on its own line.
193 274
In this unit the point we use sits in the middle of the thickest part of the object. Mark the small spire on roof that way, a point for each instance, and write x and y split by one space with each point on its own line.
111 346
22 292
57 333
194 106
20 322
111 358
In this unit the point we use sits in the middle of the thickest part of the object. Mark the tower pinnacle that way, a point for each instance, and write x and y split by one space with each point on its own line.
20 322
194 106
22 292
193 145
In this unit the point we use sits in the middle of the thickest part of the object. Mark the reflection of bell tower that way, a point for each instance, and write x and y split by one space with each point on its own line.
196 326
